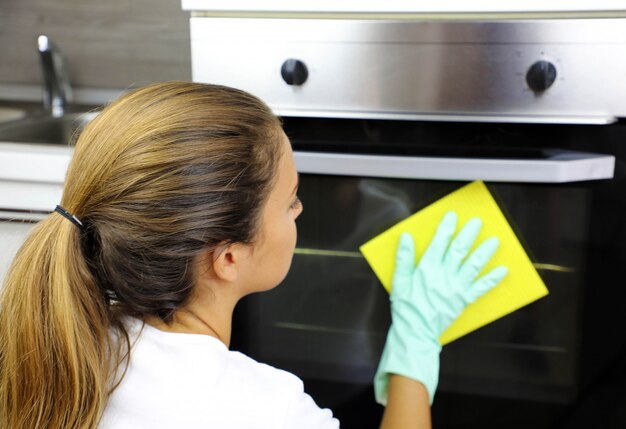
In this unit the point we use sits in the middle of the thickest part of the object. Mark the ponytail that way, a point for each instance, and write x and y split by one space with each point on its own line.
54 334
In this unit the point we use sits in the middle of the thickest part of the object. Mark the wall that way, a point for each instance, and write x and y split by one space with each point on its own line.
111 44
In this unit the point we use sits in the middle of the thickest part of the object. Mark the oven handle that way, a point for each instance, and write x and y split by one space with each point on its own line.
558 167
450 117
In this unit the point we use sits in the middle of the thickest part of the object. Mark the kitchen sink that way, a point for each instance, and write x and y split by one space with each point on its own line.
45 129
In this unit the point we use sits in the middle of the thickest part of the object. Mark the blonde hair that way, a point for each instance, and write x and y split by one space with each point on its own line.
158 177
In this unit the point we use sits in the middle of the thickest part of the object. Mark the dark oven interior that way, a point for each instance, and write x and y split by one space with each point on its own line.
557 363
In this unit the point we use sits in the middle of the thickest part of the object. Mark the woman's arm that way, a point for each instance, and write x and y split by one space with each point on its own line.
407 405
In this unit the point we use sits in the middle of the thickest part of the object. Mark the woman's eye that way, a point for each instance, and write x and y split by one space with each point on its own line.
297 203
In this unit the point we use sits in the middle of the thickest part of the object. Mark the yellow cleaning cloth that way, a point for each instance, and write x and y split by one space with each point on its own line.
520 287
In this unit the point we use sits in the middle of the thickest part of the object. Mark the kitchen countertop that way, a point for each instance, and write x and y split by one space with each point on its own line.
32 176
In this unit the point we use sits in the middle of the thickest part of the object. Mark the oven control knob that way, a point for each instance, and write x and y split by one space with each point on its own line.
294 72
541 76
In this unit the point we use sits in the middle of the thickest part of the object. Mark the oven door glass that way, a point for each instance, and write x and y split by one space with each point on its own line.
329 318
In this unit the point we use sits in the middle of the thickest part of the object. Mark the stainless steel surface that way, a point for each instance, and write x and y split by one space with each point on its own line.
449 117
57 89
46 129
406 69
375 8
560 167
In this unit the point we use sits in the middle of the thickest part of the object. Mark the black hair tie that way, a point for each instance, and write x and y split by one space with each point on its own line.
67 215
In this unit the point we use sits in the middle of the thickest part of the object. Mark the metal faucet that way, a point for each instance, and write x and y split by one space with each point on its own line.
57 90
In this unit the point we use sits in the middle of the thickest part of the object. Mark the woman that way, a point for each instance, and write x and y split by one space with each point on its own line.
179 200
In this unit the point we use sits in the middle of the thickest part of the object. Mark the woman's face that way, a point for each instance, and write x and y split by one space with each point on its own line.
272 252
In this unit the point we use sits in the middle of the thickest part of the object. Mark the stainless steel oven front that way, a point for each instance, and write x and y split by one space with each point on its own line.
385 117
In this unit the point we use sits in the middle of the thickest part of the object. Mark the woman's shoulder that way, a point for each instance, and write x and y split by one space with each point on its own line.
203 356
243 366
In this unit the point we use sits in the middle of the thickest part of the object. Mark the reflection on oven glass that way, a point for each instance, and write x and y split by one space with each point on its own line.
330 277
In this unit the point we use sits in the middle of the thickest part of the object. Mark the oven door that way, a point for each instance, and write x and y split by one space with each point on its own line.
328 321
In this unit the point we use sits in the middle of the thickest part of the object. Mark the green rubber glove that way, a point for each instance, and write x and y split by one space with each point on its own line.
426 299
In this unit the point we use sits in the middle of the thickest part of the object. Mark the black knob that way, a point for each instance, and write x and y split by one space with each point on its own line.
541 76
294 72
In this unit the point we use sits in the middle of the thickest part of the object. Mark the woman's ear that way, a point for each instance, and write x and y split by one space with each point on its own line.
229 261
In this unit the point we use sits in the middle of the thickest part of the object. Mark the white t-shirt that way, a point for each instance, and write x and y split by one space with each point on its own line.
193 381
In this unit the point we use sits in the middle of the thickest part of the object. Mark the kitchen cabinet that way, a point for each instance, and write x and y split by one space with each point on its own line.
13 234
31 185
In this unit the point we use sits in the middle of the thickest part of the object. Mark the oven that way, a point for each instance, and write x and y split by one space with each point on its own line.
388 115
